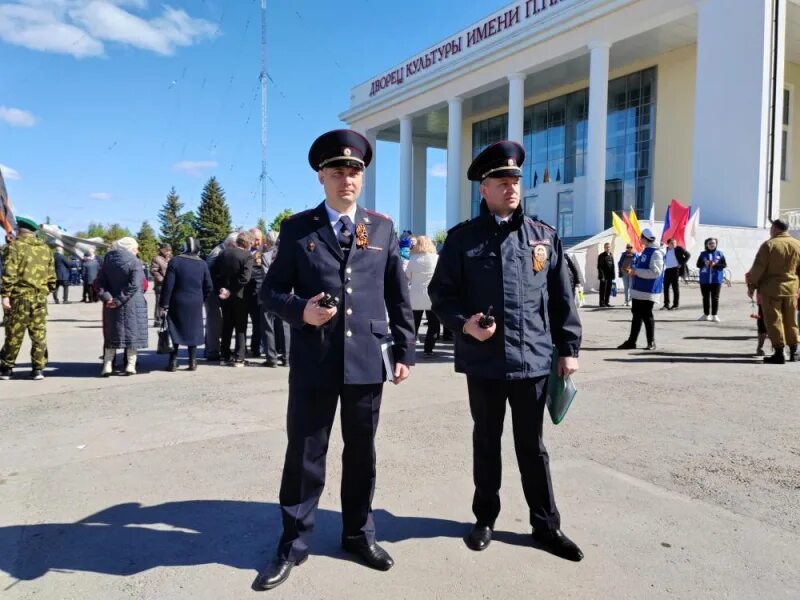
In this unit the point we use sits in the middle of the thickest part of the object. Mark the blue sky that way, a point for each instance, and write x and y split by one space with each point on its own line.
106 104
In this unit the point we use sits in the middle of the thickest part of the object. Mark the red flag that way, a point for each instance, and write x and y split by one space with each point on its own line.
675 223
636 240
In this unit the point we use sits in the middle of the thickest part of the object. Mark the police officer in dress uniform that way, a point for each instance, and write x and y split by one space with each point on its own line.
28 276
516 265
353 254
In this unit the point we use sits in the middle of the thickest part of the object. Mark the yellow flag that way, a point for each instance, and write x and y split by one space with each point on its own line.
635 222
620 229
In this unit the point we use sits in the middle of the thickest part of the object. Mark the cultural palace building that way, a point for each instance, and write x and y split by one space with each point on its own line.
618 103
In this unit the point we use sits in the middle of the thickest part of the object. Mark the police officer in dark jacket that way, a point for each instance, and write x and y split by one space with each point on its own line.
515 265
352 254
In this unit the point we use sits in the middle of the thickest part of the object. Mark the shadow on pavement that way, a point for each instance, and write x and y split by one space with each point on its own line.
723 338
688 357
131 538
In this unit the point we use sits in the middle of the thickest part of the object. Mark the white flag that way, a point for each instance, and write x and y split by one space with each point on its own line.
691 229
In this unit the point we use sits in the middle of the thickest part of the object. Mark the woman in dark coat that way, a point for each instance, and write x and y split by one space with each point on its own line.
120 285
186 286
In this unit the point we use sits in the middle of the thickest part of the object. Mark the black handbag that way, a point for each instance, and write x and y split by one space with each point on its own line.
164 340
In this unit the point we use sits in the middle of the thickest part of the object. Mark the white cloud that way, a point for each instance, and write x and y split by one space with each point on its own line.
9 173
100 196
80 27
439 170
195 167
16 117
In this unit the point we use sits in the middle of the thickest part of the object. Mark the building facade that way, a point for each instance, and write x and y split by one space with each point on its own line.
619 104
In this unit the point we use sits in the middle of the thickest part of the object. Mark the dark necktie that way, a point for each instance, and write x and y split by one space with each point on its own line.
345 236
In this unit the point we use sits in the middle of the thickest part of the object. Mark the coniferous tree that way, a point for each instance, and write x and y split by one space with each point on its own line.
171 218
262 227
148 244
213 221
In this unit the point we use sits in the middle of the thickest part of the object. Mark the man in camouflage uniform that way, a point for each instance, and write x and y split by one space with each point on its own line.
28 276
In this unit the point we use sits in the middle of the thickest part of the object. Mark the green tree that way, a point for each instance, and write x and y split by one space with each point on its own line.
440 237
148 244
276 222
114 232
188 225
173 221
262 226
213 221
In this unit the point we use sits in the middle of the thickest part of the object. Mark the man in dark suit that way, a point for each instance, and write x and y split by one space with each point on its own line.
231 274
350 253
516 265
605 273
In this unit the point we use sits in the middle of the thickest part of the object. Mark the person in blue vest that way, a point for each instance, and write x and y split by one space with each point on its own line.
647 284
711 263
337 355
514 264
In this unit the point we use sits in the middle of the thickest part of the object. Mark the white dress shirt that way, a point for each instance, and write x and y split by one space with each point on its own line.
334 217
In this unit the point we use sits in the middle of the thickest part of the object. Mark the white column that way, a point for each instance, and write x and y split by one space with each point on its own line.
779 85
406 185
420 170
596 138
516 106
732 114
454 162
370 175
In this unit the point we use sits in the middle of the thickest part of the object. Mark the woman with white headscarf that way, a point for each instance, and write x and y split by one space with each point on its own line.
120 285
186 286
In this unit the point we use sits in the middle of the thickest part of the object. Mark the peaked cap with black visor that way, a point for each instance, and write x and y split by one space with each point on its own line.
501 159
340 148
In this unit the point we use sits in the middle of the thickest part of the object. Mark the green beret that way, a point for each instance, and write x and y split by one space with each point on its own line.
27 223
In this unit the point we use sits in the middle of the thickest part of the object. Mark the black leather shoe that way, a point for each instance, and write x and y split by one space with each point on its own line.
275 574
627 345
479 538
793 354
651 346
172 365
555 542
375 556
271 364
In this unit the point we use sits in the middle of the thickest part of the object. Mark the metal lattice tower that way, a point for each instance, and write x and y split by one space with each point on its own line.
263 78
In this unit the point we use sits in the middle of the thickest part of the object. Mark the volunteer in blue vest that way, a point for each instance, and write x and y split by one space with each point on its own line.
647 284
711 263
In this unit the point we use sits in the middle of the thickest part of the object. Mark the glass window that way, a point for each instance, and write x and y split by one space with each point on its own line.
786 139
555 140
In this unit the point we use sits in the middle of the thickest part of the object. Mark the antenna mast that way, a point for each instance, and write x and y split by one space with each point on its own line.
263 78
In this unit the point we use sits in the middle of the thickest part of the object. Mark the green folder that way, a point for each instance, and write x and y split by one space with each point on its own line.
561 392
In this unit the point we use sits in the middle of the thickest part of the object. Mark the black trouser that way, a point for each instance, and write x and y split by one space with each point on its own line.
234 316
268 335
710 293
671 279
283 337
89 295
487 400
65 286
642 313
433 328
256 315
308 427
157 307
605 288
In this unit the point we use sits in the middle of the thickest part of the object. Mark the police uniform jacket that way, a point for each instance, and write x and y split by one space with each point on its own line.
483 265
368 280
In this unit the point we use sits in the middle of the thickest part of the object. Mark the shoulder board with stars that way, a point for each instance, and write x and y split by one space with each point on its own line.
532 221
300 214
377 215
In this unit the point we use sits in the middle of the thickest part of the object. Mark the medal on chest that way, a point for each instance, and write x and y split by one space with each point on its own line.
539 256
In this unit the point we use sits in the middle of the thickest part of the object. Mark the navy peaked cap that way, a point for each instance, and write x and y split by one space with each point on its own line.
502 159
340 148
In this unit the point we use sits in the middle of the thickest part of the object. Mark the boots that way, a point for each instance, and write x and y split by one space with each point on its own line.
777 358
193 358
130 367
108 359
172 365
762 337
793 353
